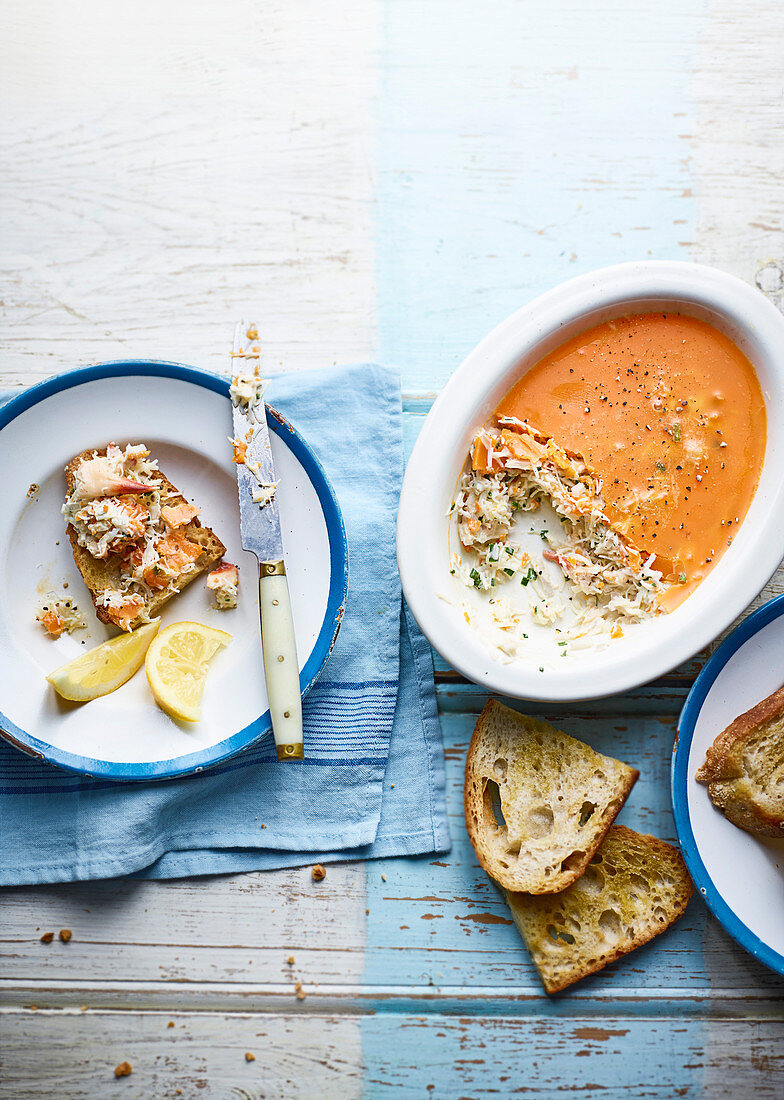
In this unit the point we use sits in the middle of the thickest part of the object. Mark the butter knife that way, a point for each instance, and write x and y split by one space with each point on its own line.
260 534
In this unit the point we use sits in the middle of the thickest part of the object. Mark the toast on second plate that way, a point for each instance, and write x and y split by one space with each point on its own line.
633 889
557 796
744 769
136 540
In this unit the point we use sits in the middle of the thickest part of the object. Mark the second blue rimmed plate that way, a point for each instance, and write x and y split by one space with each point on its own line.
183 416
740 876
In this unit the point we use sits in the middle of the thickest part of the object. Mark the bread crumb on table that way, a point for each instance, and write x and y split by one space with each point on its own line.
47 937
65 934
383 878
249 1057
170 1023
290 960
319 872
125 1069
301 994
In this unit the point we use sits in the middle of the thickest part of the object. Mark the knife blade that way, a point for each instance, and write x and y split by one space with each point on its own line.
260 534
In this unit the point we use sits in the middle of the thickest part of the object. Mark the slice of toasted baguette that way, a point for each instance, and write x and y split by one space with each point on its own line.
557 800
101 575
635 887
744 769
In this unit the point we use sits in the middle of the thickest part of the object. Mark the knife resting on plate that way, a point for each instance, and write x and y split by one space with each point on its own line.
260 533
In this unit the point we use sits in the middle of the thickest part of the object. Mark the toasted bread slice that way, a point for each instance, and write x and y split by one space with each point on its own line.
557 799
634 888
100 575
744 769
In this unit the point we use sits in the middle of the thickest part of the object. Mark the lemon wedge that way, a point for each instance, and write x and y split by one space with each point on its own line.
102 670
176 666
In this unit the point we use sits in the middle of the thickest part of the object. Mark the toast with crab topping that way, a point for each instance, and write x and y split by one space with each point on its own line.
136 541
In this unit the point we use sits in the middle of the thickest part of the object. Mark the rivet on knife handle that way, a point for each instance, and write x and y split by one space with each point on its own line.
280 660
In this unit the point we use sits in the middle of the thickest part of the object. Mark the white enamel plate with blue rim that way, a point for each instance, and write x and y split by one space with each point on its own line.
740 876
184 417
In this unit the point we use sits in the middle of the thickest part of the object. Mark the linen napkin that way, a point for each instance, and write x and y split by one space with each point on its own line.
372 782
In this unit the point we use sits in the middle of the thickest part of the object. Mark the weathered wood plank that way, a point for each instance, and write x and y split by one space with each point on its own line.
739 225
168 168
307 1055
200 1056
163 173
435 928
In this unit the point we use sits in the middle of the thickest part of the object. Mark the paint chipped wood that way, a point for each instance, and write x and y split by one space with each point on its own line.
374 187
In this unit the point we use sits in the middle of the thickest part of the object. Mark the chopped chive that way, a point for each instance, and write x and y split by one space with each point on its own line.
681 578
509 572
676 432
475 578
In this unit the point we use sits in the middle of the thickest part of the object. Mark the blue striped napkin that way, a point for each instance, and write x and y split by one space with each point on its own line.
372 783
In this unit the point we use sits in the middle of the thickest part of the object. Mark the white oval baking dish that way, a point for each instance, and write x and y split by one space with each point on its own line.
474 391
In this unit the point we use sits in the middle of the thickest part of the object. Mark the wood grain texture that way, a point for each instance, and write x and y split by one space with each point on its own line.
736 163
302 1056
201 1056
375 179
168 168
437 933
518 151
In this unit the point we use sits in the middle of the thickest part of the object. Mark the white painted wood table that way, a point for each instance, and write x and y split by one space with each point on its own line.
377 179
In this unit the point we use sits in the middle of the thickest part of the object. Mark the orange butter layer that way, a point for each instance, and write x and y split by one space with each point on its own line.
669 414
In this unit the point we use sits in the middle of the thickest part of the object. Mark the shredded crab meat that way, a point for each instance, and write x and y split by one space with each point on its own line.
124 607
265 493
515 469
247 390
115 473
223 582
59 614
247 393
240 449
138 531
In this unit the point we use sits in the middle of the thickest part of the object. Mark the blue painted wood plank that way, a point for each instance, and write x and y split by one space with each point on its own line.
515 151
440 925
616 1058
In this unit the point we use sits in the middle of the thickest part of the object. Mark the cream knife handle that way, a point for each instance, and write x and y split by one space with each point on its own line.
280 660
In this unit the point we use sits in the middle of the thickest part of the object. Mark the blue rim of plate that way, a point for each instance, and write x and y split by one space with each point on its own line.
680 776
336 599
